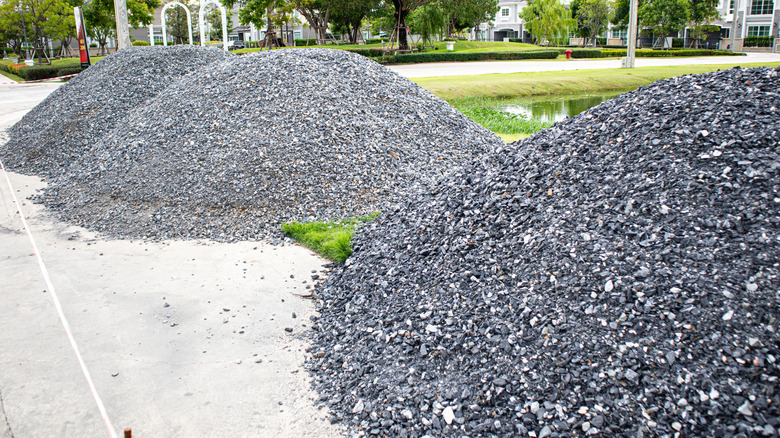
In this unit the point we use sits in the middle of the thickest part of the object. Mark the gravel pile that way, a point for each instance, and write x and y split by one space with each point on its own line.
248 143
616 274
76 116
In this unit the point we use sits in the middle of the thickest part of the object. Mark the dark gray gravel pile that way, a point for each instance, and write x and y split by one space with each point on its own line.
615 275
246 144
76 116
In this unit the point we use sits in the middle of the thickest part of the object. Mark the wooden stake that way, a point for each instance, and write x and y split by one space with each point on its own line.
128 433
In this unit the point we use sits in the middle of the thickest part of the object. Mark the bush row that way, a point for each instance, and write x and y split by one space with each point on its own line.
757 41
583 53
37 72
649 53
305 42
485 56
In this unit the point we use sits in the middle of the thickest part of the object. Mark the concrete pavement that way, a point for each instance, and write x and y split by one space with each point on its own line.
487 67
180 338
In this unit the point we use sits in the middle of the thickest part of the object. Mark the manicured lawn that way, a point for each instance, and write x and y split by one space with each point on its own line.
563 82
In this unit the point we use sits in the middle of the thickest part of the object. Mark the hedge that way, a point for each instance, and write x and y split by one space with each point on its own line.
37 72
305 42
69 71
371 53
483 56
647 53
583 53
757 41
140 43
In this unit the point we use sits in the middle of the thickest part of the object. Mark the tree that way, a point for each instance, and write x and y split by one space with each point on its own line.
620 16
349 15
402 9
177 25
317 14
269 13
546 20
662 17
11 28
101 22
41 20
465 14
429 21
593 17
703 12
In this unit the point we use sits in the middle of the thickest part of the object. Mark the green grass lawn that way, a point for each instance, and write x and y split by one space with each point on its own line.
563 82
331 240
490 114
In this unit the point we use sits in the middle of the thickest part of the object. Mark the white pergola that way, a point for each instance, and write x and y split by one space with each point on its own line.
201 22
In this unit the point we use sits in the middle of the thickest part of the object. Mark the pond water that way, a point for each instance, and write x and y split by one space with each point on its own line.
555 108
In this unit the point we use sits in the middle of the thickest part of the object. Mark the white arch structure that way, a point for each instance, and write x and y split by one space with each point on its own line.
164 25
202 26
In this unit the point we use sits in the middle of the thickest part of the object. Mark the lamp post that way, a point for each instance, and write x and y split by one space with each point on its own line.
24 30
734 24
632 31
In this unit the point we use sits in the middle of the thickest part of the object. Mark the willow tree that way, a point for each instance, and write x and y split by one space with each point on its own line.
546 20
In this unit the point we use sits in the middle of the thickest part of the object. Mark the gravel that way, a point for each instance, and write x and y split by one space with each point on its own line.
75 117
244 144
482 308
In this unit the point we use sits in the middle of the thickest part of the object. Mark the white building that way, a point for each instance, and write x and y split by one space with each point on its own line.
753 18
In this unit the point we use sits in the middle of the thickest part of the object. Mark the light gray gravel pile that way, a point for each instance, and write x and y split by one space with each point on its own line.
245 144
73 119
614 275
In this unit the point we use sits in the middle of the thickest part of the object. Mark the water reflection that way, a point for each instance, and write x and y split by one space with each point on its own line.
554 109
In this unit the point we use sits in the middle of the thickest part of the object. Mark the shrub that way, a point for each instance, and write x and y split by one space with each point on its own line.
483 56
583 53
649 53
376 40
69 71
370 53
14 68
36 72
306 42
140 43
757 41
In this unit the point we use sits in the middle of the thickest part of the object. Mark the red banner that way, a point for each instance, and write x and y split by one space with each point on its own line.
81 34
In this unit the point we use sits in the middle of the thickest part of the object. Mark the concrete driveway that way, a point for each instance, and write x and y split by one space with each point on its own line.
181 338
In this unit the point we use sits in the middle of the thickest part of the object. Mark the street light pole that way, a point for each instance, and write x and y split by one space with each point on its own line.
24 31
632 31
122 28
734 24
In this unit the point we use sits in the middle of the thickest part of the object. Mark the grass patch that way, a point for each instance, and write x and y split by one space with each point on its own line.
490 114
511 138
331 240
561 82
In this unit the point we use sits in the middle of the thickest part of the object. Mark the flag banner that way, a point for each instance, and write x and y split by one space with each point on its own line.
81 34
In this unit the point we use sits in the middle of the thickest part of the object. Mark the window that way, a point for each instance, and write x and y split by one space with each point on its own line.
620 34
505 12
761 7
759 31
731 7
